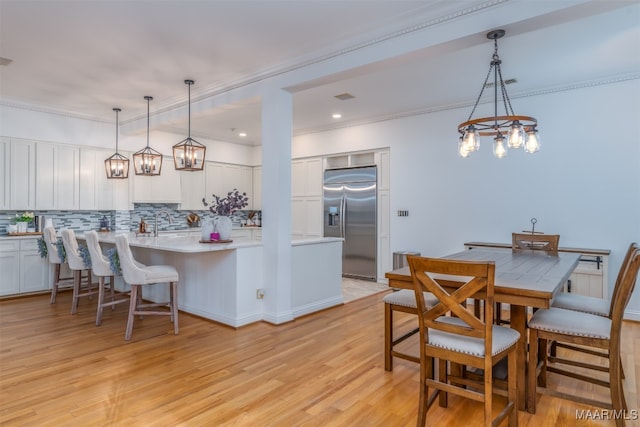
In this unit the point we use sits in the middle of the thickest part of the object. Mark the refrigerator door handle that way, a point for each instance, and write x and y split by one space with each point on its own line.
343 216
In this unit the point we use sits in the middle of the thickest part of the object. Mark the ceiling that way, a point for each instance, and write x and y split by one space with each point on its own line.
82 58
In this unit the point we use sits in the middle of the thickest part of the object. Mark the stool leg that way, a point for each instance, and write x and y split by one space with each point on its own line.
54 287
112 284
132 310
174 306
388 337
76 290
100 300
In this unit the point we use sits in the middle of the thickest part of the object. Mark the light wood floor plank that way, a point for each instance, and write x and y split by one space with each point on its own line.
325 369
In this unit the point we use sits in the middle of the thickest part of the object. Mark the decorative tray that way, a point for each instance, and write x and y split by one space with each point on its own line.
26 233
216 241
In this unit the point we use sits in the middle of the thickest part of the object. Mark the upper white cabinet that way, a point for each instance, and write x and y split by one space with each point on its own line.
192 190
257 188
97 192
57 176
164 188
306 198
221 178
22 175
5 165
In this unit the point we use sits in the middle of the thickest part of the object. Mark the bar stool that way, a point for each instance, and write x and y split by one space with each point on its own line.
50 240
101 267
136 275
76 264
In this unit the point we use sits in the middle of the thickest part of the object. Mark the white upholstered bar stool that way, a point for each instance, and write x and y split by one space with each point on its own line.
76 264
136 275
50 240
101 267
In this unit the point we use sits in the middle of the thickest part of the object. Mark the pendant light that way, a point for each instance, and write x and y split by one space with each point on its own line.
509 131
147 161
188 154
117 166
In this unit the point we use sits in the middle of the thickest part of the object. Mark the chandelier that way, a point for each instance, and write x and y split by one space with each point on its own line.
509 131
188 154
116 166
147 161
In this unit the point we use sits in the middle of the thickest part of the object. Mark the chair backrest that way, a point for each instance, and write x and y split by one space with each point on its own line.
542 242
50 239
131 273
626 286
633 247
452 282
71 248
99 263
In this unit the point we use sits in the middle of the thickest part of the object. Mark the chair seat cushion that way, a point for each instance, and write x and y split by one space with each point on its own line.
407 298
159 274
597 306
571 322
503 338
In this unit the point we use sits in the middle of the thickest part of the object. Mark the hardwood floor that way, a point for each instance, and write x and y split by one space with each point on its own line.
325 369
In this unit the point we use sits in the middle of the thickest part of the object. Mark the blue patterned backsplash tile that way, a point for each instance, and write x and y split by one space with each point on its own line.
125 220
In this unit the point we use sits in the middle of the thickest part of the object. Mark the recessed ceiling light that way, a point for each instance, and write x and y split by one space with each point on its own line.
336 115
242 134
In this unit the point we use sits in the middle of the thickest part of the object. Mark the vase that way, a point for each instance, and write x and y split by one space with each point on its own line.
222 224
206 229
22 226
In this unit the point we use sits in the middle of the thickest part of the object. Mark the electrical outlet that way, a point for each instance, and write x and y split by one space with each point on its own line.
260 293
403 213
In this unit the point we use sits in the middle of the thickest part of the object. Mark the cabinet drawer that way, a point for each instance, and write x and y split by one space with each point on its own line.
9 246
29 245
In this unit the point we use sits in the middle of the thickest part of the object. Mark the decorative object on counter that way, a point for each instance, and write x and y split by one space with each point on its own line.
147 161
12 229
514 131
215 236
83 251
22 226
142 227
207 229
188 154
193 220
216 241
114 261
42 248
22 221
104 223
222 207
117 166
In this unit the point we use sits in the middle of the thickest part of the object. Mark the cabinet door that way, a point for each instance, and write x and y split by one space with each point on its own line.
314 177
34 271
214 173
192 190
246 184
298 179
46 188
10 267
4 173
104 188
163 188
87 175
22 174
67 175
257 188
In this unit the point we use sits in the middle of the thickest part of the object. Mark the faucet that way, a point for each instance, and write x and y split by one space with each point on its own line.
155 225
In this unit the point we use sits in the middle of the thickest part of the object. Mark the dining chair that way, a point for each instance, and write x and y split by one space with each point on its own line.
77 265
101 267
402 300
50 240
585 329
465 339
528 241
136 275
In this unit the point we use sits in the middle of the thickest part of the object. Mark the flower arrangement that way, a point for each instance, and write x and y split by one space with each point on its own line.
226 206
24 217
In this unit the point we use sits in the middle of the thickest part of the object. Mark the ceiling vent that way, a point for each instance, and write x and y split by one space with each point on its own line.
5 61
344 96
506 82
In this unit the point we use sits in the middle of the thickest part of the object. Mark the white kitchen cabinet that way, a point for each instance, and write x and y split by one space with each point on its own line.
97 192
192 185
306 198
57 176
221 178
22 173
257 188
22 268
163 188
240 235
5 147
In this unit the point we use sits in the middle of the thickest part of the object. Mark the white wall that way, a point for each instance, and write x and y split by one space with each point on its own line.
584 184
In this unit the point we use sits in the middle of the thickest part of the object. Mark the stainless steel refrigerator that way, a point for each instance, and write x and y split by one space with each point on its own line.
350 200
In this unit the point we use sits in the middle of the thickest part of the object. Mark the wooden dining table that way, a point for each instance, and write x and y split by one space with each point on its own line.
523 279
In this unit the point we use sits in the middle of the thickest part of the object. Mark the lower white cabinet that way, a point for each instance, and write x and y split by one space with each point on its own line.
23 270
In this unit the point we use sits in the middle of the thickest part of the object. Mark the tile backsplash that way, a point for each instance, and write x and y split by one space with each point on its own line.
124 220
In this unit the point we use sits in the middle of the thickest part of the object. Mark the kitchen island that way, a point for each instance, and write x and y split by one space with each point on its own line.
223 281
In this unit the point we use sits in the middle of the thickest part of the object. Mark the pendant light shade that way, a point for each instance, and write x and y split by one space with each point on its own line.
188 154
509 131
147 161
117 166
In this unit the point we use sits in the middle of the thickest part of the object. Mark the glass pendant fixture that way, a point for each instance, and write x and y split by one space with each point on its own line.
188 154
147 161
520 131
117 165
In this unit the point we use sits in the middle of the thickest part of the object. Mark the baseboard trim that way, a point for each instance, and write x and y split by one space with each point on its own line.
633 315
317 306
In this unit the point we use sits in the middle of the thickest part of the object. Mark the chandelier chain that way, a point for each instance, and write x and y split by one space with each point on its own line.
484 85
